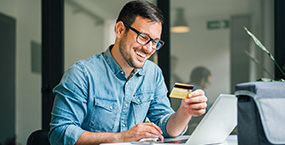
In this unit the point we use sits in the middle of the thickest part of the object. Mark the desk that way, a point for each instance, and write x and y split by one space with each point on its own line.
231 140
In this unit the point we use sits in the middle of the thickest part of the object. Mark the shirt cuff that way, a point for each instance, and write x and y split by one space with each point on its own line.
72 133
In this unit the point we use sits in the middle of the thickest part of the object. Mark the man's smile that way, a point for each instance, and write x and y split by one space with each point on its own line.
140 54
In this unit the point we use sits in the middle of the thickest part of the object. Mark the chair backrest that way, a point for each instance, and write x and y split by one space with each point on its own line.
39 137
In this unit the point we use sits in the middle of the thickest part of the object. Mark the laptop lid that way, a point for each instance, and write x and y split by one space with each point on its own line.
217 123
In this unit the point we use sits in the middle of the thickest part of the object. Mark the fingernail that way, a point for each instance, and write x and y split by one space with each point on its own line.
190 95
187 100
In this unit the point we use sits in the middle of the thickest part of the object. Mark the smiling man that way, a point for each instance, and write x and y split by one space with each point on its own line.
107 97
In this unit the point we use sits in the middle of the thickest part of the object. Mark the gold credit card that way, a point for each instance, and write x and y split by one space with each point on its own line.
181 91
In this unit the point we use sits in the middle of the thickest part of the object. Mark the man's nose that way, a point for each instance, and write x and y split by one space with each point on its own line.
148 47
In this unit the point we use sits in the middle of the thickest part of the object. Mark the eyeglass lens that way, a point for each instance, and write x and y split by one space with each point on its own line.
145 39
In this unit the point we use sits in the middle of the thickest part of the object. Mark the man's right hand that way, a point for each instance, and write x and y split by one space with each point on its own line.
140 131
136 133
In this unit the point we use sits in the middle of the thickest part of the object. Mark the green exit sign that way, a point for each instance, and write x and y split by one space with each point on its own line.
218 24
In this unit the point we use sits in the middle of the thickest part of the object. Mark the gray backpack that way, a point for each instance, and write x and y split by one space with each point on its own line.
261 113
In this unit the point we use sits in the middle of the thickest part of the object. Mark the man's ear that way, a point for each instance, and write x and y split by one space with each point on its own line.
120 29
202 82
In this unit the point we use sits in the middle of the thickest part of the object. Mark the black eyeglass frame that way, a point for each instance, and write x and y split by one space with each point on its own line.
150 39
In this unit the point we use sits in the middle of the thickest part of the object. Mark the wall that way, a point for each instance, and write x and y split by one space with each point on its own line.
268 40
28 84
28 94
83 35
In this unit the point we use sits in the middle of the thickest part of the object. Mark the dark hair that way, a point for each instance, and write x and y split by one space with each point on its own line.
198 73
141 8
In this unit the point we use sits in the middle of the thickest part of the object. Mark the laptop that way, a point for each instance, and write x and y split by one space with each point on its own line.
216 125
214 128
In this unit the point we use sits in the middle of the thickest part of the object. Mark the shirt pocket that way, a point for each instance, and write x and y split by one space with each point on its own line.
140 104
103 115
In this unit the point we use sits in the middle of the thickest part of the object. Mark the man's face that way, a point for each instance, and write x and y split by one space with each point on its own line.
206 82
136 54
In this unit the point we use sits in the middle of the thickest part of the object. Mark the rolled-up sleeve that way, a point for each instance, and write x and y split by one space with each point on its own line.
160 110
69 108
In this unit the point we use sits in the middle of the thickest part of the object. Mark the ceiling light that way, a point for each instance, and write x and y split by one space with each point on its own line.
180 23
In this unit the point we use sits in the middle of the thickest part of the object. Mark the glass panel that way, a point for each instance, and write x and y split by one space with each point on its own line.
20 44
217 42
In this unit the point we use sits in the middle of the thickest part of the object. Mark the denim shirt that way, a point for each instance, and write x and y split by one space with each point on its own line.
94 95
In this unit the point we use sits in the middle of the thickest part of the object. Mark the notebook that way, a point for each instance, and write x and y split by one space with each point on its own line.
216 125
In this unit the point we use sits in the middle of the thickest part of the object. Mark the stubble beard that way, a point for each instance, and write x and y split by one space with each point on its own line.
127 57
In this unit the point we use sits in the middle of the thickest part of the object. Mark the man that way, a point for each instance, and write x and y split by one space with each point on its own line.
107 97
200 77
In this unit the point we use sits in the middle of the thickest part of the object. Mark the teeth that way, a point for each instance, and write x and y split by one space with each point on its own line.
142 55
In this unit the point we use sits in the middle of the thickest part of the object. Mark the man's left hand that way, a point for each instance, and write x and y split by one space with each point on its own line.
195 104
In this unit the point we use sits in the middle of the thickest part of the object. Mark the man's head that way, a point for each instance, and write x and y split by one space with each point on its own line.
141 8
201 77
138 31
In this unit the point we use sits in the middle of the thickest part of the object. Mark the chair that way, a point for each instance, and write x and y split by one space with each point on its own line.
39 137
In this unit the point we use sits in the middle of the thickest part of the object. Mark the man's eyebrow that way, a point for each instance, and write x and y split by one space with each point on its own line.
150 36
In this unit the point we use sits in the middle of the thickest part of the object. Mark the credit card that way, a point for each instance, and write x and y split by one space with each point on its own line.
181 90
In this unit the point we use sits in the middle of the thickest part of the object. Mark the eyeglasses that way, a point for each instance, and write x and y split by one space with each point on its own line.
144 39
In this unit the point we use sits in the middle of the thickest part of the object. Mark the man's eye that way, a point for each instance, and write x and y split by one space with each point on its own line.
144 37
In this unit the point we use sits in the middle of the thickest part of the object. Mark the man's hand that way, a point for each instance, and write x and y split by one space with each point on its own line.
195 104
140 131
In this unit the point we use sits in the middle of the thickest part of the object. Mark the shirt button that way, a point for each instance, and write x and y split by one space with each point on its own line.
126 105
123 125
127 83
138 100
122 73
111 107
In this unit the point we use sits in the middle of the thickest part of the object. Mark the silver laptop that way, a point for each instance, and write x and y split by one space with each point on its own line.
214 128
216 125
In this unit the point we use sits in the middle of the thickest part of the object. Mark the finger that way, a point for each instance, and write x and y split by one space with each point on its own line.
198 112
157 128
197 106
150 128
197 99
158 131
197 92
149 135
161 138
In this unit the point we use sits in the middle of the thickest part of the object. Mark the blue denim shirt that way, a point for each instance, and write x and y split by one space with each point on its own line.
94 95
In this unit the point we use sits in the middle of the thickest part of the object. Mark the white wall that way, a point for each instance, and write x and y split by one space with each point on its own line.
83 37
267 23
8 7
28 85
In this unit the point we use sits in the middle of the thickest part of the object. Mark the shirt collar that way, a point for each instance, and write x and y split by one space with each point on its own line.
115 66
